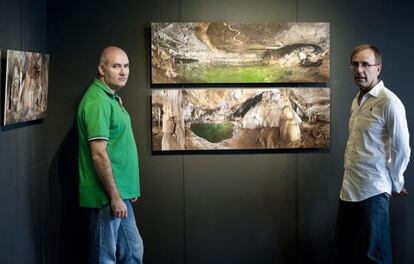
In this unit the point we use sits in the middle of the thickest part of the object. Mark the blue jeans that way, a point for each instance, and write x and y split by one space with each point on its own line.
114 240
362 233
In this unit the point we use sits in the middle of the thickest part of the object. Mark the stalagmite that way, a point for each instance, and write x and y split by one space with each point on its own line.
173 123
289 129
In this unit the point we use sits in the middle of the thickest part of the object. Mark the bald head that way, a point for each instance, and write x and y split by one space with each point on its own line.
107 52
113 67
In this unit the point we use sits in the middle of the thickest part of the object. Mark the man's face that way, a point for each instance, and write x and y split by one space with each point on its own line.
365 69
114 70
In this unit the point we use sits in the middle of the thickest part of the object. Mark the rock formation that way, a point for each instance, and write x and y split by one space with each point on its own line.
173 132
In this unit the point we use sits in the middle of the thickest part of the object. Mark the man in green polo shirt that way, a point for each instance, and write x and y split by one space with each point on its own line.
108 164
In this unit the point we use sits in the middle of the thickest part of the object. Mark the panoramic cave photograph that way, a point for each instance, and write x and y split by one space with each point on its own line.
240 118
221 52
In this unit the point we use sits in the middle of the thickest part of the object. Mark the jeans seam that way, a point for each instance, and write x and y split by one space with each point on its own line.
122 228
100 236
378 253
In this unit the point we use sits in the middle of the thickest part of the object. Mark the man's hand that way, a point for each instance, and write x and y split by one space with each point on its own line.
119 208
403 192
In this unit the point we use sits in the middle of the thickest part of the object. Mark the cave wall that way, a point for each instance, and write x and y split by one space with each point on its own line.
220 207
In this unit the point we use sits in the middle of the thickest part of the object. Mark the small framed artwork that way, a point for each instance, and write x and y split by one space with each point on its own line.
26 86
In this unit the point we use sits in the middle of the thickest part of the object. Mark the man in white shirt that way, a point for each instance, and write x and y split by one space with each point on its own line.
376 156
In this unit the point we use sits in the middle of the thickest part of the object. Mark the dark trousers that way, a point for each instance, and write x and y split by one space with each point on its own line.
362 233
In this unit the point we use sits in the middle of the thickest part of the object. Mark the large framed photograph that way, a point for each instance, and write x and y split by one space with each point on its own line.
26 86
240 119
228 52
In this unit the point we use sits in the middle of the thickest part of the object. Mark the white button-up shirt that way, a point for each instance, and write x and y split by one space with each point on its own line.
378 151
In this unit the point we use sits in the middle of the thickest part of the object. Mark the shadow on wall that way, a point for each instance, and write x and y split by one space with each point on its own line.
72 233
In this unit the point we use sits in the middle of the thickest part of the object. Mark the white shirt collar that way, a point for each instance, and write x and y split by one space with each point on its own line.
375 91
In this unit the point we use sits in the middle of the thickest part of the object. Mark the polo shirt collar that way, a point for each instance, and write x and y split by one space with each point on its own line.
104 87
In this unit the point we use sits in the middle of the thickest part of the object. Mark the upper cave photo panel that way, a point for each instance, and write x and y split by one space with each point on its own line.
224 52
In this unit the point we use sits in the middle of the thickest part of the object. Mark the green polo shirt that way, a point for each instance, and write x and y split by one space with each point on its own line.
102 116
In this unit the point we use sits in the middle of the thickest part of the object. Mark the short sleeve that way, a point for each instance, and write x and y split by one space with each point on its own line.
97 117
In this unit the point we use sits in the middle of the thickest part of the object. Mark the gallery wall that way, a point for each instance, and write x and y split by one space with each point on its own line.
24 189
275 207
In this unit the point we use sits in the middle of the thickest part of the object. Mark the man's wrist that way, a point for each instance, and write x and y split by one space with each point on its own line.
115 198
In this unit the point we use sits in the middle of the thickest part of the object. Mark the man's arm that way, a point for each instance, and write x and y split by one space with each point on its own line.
103 167
400 145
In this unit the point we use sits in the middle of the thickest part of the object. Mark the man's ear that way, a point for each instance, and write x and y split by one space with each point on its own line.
101 70
379 69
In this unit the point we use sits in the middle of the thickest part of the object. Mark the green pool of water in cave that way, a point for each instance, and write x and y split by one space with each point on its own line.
213 132
231 74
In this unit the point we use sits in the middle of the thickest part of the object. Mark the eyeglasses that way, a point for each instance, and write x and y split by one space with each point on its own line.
364 65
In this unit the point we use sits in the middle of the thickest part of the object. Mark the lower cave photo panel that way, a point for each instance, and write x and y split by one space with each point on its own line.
240 119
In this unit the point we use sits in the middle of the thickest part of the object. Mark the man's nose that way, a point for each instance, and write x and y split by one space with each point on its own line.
359 68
